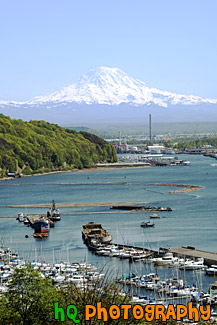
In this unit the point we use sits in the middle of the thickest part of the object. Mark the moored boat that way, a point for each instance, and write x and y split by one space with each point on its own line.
147 224
154 216
20 217
211 270
53 213
165 259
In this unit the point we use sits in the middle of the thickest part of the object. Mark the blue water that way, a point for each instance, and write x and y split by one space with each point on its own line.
193 220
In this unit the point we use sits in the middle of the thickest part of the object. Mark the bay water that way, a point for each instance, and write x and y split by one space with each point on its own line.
192 222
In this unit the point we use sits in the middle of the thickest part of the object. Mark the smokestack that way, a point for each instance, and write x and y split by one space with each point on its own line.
119 138
150 128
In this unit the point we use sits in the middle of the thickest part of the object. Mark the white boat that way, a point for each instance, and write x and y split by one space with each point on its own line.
176 263
138 256
154 216
193 265
125 254
166 259
211 270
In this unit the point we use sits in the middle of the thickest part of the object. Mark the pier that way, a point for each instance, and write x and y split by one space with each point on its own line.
209 257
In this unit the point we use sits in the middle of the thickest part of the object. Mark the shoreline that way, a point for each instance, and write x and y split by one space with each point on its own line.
83 170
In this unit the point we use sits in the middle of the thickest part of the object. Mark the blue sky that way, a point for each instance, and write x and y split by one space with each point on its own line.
49 44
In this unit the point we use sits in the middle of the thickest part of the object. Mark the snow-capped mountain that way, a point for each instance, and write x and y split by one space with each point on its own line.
108 95
112 86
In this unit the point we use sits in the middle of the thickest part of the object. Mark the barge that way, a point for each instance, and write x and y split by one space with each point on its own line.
94 232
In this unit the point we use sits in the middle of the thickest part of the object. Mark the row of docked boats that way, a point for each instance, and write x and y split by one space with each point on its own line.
122 253
79 274
183 263
99 240
171 288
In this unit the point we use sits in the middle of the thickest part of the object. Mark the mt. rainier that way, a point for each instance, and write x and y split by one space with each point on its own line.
108 95
112 86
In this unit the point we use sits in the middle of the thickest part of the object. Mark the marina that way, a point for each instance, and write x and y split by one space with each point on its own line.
145 289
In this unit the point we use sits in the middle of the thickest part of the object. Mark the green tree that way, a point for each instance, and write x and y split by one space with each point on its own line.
29 300
39 145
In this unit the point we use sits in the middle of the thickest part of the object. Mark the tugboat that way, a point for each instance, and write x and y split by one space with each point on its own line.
53 214
20 217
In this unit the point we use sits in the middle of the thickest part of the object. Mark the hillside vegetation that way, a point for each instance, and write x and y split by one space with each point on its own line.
38 146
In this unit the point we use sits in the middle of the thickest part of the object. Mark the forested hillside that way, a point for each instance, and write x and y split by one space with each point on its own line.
37 146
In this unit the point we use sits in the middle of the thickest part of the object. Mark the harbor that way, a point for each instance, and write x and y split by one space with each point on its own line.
193 211
189 222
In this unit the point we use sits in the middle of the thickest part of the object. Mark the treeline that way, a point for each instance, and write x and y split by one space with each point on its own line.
38 146
191 143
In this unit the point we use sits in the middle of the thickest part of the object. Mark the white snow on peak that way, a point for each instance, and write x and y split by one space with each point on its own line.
112 86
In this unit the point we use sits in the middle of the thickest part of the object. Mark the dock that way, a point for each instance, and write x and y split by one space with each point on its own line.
209 257
142 249
189 252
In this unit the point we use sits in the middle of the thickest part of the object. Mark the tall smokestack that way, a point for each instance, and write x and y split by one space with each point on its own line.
119 138
150 129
